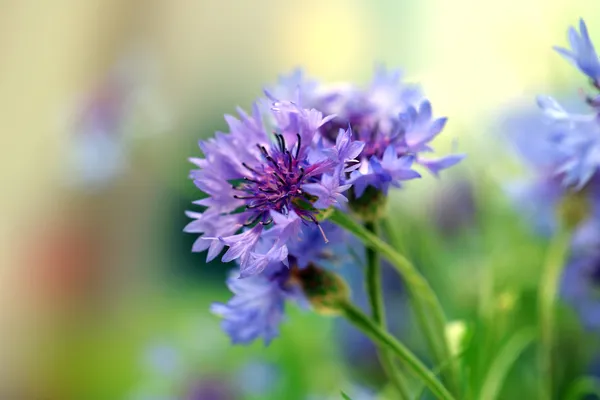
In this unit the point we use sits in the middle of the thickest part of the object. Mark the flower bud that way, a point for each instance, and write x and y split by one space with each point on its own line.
325 290
573 209
369 207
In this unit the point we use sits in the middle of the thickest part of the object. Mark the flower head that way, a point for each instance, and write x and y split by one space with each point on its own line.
577 141
582 53
262 188
391 118
576 137
257 307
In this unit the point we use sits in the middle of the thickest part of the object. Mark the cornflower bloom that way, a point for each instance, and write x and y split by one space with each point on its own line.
577 136
263 187
257 307
392 118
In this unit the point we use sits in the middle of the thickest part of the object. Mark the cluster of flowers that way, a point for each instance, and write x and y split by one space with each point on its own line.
270 181
565 153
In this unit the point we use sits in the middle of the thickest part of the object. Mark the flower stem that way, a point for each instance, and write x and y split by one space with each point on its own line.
426 305
385 340
557 252
375 294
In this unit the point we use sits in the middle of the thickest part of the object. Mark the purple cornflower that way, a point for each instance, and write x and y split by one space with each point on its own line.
577 136
541 196
582 53
392 118
267 185
537 195
257 307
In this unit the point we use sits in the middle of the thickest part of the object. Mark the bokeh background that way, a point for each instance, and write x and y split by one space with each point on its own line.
103 101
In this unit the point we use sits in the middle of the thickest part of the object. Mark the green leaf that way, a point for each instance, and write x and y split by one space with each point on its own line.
345 396
504 360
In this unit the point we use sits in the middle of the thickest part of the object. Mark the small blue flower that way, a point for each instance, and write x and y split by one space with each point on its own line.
382 173
329 191
582 53
257 307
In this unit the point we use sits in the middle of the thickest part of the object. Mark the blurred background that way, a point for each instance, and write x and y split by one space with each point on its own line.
102 102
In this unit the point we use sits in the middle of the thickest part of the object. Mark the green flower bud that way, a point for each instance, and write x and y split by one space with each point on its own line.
325 290
574 208
369 207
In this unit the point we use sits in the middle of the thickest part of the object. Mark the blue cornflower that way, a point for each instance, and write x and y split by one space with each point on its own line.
539 194
262 187
576 136
577 139
257 307
392 118
582 53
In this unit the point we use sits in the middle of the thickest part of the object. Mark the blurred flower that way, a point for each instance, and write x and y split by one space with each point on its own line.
103 123
270 188
453 206
163 359
537 196
98 155
582 53
258 378
211 389
581 287
542 196
172 374
390 117
576 137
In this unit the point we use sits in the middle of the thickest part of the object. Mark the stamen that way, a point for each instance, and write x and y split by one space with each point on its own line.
252 222
280 141
299 144
322 232
248 168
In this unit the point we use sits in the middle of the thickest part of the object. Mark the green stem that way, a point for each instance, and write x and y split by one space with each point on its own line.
375 295
551 273
384 339
426 305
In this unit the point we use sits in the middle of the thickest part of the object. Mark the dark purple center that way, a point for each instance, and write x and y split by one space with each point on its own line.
277 184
